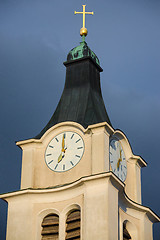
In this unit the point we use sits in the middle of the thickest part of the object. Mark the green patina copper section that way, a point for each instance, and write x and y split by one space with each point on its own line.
82 51
83 38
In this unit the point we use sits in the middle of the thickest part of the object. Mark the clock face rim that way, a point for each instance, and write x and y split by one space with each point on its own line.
61 133
113 139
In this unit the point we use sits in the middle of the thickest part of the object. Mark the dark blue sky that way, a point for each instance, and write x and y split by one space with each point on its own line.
35 38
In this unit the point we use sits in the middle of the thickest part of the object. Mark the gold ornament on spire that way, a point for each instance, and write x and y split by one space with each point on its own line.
83 31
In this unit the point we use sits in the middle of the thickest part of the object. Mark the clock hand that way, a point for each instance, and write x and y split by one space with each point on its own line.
118 163
62 150
60 157
63 143
120 157
120 152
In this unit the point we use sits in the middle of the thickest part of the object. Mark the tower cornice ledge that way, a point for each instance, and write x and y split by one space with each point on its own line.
67 63
108 175
105 177
109 129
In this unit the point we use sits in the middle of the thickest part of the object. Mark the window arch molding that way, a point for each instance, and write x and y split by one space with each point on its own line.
131 228
40 218
68 211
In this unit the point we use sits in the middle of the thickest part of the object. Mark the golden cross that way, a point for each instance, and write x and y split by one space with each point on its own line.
83 30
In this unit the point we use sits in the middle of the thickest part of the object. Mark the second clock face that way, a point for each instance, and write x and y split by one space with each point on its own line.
117 159
64 151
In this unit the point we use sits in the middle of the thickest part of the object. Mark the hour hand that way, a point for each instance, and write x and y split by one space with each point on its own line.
118 163
60 157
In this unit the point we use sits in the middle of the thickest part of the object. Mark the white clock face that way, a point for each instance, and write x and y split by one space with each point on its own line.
64 151
117 159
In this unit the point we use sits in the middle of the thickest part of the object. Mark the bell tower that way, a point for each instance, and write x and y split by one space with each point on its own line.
80 178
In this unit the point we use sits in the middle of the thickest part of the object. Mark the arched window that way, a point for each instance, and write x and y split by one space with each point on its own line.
126 234
73 224
50 227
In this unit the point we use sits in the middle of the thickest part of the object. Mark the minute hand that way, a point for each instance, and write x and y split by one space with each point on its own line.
120 151
62 150
63 143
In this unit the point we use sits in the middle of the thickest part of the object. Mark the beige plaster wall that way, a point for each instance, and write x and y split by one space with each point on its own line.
36 174
138 224
100 199
93 196
134 165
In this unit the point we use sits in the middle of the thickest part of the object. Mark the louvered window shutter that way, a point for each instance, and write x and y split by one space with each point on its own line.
50 227
73 223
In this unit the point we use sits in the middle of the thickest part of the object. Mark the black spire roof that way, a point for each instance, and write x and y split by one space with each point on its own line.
81 100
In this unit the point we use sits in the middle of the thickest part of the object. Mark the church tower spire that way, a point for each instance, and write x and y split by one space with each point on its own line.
81 100
80 178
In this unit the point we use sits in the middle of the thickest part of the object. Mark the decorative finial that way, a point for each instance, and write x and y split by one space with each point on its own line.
83 31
